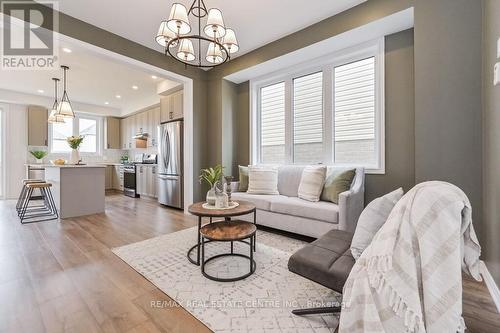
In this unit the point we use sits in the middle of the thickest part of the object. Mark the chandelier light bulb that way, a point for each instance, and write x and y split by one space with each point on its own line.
215 24
230 42
178 21
165 35
214 54
186 50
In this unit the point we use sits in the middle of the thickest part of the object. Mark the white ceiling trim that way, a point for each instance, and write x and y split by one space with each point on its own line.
397 22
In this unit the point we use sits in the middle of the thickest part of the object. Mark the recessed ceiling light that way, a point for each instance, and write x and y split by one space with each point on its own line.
154 77
40 91
118 96
107 103
65 49
135 87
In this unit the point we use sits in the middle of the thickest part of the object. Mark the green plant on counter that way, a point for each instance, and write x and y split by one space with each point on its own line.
124 158
211 175
38 154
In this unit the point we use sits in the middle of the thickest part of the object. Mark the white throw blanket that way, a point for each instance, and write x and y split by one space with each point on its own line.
409 278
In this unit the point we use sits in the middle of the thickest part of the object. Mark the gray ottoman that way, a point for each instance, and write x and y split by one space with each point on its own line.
327 261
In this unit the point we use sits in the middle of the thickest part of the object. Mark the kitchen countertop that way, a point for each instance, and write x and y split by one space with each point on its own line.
77 166
45 165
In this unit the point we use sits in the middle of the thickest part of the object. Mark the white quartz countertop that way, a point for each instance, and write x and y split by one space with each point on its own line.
92 164
77 166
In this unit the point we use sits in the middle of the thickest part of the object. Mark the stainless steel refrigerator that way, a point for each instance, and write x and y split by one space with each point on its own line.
170 164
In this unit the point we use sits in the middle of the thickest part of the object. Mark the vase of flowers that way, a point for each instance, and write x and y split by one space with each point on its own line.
211 176
38 155
74 142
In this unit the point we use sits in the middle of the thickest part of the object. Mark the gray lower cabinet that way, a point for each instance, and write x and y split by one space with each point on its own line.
118 177
146 180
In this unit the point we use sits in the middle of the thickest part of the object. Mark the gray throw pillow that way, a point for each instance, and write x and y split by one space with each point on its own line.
371 220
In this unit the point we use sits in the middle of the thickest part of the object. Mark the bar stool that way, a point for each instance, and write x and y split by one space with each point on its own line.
45 212
24 191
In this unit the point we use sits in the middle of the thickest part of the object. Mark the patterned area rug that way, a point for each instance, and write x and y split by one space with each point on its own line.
259 303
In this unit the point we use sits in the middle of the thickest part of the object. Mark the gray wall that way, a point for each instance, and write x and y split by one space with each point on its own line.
448 95
491 142
399 118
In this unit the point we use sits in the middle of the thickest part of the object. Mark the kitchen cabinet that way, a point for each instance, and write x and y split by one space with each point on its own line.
145 122
146 180
37 126
108 177
123 133
153 120
112 133
118 177
132 131
172 106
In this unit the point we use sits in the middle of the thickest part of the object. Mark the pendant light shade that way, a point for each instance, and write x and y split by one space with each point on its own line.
214 54
54 117
65 109
186 50
178 21
215 24
165 35
230 42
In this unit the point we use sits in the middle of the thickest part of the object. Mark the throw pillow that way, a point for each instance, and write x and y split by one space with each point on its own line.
336 184
262 180
243 187
371 220
311 182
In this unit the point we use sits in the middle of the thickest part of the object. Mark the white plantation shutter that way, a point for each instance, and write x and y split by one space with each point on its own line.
308 118
355 101
272 101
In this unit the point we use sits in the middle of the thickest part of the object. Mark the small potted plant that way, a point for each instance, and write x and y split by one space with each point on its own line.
211 176
38 155
74 143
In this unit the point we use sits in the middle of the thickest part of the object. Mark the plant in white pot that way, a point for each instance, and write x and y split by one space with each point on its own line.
74 143
38 155
211 176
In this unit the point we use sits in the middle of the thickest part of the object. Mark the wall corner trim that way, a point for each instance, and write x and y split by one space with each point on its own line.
490 283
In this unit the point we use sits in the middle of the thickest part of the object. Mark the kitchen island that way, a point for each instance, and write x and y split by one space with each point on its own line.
78 190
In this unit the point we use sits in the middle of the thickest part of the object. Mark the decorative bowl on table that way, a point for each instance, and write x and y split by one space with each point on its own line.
59 161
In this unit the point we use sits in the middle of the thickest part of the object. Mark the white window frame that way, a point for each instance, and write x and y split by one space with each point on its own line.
326 64
76 131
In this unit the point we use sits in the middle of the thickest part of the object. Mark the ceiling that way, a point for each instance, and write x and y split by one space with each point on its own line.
93 79
256 22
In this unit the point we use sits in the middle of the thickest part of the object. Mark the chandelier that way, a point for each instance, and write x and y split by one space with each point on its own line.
218 40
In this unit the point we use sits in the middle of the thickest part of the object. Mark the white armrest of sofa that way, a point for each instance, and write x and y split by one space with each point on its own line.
351 203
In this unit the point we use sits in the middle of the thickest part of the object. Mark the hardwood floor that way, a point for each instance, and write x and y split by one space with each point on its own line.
63 277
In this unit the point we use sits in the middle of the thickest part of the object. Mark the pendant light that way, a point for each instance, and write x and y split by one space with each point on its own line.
65 109
54 117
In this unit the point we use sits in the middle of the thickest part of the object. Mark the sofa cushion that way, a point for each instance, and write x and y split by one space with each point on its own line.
311 182
262 180
323 211
337 183
289 180
243 178
261 201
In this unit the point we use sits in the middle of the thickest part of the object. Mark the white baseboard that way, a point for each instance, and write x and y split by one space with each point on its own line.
490 283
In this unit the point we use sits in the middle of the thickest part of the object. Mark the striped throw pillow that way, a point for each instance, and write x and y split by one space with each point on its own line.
262 180
311 182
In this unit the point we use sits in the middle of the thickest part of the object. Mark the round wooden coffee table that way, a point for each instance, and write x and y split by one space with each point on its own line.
244 208
231 231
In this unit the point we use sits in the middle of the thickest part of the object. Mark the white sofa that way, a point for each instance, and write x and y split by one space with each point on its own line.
289 213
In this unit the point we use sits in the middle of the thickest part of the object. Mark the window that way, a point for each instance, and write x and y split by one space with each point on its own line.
272 105
308 118
87 126
88 129
331 113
